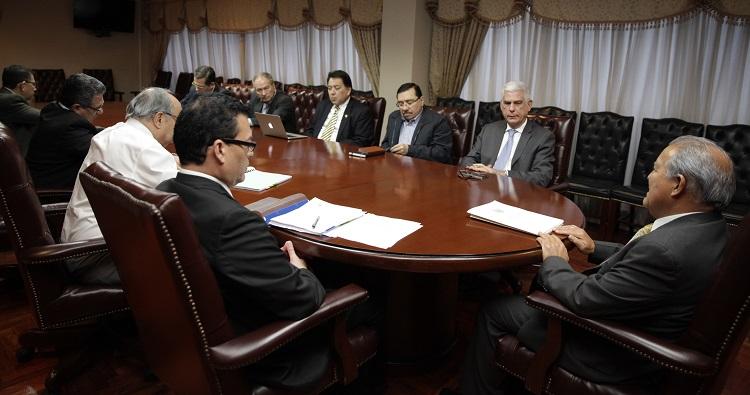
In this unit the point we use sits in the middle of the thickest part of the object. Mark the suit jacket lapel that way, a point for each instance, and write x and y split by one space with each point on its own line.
344 125
525 137
397 130
419 127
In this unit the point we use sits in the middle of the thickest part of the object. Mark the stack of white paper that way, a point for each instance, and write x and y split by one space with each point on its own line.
317 217
514 217
376 230
257 180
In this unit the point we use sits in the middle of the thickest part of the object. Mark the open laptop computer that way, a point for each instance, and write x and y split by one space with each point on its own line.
271 125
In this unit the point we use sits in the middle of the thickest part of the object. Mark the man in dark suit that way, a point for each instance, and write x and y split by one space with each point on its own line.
260 282
269 101
204 81
340 118
15 112
652 283
416 131
514 147
64 133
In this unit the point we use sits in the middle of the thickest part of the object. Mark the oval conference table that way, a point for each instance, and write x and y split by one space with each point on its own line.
422 269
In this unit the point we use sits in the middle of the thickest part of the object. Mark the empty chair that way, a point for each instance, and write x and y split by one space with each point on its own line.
163 79
305 99
461 121
363 94
184 81
735 139
487 112
563 127
108 79
552 110
49 83
65 313
655 136
455 102
696 363
600 160
188 339
235 81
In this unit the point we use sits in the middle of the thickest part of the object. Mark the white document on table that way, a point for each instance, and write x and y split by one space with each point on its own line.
256 180
514 217
375 230
317 217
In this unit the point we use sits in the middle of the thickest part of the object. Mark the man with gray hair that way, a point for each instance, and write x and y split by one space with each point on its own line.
64 133
514 147
135 149
267 100
652 283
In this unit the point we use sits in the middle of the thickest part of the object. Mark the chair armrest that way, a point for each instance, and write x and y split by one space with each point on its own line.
254 346
667 354
561 187
54 213
55 253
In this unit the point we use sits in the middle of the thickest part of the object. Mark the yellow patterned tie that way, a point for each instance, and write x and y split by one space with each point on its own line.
328 129
643 231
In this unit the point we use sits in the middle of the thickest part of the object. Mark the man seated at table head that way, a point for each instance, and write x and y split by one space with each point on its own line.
514 146
339 118
64 133
134 148
259 281
19 86
417 131
652 283
204 81
268 100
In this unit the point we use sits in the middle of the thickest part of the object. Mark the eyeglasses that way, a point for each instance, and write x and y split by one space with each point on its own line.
199 86
248 145
467 174
97 110
30 82
170 114
407 103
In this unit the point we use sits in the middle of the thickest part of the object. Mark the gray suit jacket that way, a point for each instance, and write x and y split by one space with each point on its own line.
534 154
432 139
19 116
652 283
281 105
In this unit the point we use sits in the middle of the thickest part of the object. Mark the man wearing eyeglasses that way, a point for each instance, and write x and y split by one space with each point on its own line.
134 148
15 112
267 100
514 147
416 131
259 281
204 81
65 131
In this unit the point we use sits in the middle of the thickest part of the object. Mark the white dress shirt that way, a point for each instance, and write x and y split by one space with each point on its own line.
130 149
516 139
342 108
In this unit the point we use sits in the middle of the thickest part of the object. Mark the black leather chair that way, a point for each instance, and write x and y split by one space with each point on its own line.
363 94
600 160
655 136
377 110
555 111
187 337
735 139
49 83
163 79
455 102
66 313
305 99
563 127
184 81
461 121
697 363
108 79
488 112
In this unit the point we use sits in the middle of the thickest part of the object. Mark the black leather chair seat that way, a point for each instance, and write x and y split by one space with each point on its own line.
631 195
597 188
87 302
515 359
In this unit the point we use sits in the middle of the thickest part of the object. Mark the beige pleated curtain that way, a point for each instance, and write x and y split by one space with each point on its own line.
163 17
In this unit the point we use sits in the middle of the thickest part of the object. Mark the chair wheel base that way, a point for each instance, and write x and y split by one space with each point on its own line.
25 354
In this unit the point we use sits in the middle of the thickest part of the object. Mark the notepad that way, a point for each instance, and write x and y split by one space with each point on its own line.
317 217
256 180
513 217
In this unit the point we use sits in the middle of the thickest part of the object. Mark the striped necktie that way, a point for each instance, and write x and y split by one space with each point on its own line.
330 126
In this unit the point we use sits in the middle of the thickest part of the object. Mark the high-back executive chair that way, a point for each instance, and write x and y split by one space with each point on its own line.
65 312
187 336
697 363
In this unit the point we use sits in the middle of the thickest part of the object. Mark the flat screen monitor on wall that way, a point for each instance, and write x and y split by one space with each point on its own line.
104 16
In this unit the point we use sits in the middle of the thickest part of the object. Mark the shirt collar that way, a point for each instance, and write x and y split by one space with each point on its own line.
669 218
208 176
518 129
415 120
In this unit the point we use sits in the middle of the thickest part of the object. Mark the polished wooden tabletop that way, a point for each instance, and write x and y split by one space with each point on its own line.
413 189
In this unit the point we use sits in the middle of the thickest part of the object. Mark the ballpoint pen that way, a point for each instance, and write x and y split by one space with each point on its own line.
315 223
